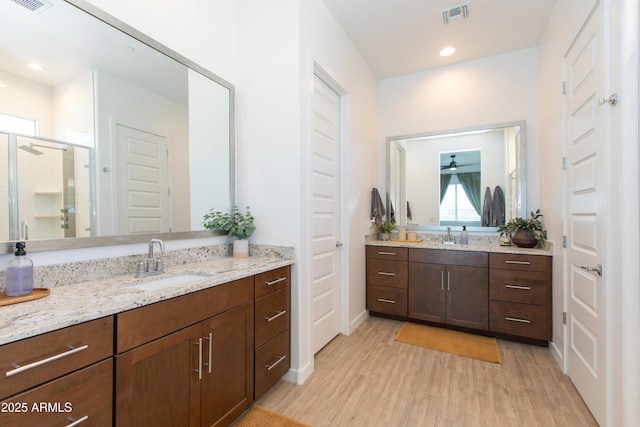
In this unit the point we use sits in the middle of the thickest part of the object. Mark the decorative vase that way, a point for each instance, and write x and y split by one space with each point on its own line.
241 248
385 236
524 239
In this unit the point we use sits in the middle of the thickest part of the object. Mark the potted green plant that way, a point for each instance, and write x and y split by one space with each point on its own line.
236 224
525 233
385 229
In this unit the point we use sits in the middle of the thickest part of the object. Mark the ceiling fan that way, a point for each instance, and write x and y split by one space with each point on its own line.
453 165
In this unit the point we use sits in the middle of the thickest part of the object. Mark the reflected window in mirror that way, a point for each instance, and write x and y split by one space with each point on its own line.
460 182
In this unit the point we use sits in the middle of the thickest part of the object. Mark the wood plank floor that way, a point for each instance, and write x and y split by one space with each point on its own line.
368 379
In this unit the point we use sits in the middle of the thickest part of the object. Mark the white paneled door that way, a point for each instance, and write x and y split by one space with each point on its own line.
325 213
585 195
142 182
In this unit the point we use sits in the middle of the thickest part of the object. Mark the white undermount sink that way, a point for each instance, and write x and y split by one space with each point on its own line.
177 280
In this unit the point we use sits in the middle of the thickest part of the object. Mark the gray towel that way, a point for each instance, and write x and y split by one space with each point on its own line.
487 207
377 207
497 207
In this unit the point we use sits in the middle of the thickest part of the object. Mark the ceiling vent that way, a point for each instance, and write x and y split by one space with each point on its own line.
455 13
33 5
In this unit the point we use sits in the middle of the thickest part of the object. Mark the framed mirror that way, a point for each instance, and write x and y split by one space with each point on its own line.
474 177
106 136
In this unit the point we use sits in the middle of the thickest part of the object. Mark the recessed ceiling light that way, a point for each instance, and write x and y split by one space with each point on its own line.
35 66
447 51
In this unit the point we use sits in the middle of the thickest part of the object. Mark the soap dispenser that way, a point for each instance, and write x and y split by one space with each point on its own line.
464 236
19 273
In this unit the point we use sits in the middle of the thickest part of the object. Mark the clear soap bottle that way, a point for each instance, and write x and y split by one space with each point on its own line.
19 273
464 236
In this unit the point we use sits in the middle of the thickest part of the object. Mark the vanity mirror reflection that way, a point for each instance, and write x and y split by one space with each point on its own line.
106 136
439 179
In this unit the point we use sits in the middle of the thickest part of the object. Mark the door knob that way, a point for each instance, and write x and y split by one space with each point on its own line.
339 243
597 269
612 100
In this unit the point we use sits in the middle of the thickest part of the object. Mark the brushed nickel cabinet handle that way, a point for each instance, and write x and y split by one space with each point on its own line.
515 319
524 288
384 273
19 368
199 370
278 280
274 317
517 262
280 359
388 301
442 279
78 421
448 280
210 339
387 253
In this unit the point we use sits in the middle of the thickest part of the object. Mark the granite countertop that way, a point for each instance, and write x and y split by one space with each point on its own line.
547 250
76 303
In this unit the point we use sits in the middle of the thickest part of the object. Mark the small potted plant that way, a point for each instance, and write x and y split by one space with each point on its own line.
525 233
236 224
385 229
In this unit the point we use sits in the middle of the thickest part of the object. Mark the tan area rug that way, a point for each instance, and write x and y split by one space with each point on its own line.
454 342
258 416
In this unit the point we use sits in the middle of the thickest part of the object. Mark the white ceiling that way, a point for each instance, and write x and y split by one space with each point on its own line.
398 37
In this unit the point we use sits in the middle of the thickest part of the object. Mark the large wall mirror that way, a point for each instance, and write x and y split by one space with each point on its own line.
106 136
474 177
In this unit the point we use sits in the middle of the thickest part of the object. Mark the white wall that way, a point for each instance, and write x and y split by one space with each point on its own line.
490 90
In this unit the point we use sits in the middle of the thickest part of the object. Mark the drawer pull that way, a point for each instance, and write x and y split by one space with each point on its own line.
388 301
386 253
515 319
199 370
384 273
524 288
45 361
280 359
278 280
280 313
210 339
78 421
517 262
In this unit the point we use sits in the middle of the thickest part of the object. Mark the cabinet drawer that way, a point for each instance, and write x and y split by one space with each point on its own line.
382 299
272 362
387 273
528 287
141 325
54 354
84 397
449 257
272 316
272 281
519 319
519 262
388 253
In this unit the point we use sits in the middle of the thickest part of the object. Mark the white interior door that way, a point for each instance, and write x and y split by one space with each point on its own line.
142 182
325 212
585 180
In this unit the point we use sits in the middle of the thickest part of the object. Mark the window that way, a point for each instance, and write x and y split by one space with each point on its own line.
15 124
456 207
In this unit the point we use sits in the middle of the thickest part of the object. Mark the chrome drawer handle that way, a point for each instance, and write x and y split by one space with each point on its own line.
387 253
278 280
515 319
280 359
384 273
280 313
389 301
78 421
518 262
45 361
525 288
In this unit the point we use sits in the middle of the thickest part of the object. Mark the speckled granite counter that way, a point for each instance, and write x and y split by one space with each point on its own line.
547 250
76 303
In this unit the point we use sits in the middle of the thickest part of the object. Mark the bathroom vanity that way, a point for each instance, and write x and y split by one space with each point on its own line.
108 353
488 289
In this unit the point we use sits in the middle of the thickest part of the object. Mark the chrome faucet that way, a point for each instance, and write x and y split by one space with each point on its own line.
449 239
153 264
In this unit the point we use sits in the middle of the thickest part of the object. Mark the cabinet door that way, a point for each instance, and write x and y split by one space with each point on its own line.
467 296
227 380
157 383
427 292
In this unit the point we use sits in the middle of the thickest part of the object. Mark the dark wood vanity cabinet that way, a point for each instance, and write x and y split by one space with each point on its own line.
450 287
387 274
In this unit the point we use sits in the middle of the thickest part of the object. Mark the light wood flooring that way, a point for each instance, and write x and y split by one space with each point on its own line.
368 379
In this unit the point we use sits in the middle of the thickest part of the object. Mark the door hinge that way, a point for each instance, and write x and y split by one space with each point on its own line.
169 191
167 152
564 317
564 242
564 163
564 88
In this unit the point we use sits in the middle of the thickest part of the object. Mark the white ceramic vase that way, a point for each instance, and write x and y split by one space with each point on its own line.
241 248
